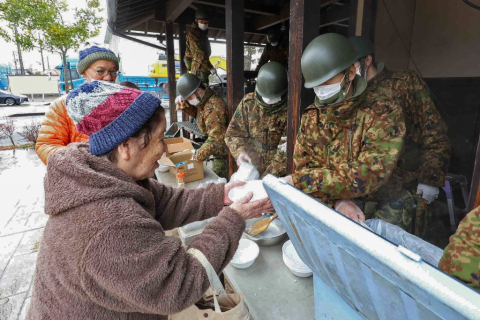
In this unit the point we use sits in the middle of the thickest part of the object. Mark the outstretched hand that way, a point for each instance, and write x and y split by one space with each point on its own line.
229 186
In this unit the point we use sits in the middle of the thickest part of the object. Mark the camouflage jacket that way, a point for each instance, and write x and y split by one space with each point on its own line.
349 149
277 54
256 128
198 50
427 148
211 114
461 257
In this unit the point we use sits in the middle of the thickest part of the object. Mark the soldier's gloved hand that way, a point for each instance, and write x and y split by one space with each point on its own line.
213 71
350 209
429 193
283 147
178 99
243 157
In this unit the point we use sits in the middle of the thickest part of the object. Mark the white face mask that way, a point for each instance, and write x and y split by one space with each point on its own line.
272 100
194 101
274 44
203 26
358 71
326 91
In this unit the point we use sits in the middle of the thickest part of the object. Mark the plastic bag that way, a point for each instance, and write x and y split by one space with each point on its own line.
256 187
246 172
216 181
398 236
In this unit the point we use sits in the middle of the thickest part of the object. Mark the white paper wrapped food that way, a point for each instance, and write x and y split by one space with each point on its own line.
255 186
246 172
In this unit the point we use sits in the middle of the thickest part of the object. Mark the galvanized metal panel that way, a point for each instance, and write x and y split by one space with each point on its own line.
357 268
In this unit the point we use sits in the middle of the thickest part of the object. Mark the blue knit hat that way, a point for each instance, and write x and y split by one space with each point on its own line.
92 54
109 113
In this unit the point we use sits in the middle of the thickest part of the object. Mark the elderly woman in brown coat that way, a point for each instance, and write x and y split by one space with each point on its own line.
104 253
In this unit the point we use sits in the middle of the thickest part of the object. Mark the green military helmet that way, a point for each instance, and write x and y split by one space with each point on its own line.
272 80
188 84
273 35
363 46
201 14
326 56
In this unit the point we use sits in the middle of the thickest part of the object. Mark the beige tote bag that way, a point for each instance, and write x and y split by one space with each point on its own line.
216 303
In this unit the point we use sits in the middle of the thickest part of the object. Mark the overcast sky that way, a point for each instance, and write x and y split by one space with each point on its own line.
136 58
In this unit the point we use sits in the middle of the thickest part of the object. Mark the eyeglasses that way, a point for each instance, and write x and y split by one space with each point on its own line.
104 73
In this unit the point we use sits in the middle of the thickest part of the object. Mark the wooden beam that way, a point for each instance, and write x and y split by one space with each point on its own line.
139 21
304 21
267 22
474 198
219 5
234 18
352 22
369 17
334 22
176 8
172 88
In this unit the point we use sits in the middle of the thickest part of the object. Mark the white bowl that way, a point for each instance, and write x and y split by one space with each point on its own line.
246 254
293 261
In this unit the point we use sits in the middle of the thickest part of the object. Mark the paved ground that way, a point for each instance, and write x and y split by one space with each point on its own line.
21 226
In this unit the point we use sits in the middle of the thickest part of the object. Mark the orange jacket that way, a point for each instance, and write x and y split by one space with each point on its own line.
57 131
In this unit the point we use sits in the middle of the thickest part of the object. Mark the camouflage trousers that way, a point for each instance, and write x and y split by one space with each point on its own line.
203 76
220 167
409 212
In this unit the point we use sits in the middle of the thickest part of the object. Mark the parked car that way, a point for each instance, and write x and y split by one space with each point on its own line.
11 99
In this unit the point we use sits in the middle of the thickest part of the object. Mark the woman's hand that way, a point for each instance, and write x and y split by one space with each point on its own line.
350 209
229 186
250 210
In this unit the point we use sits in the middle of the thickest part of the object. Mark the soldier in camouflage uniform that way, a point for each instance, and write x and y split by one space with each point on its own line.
275 50
211 113
198 50
461 257
346 147
423 165
261 120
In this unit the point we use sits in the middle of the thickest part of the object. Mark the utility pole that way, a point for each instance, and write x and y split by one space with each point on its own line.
48 63
15 61
19 52
41 54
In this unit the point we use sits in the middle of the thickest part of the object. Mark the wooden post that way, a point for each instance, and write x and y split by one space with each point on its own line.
362 18
172 87
182 42
234 18
304 27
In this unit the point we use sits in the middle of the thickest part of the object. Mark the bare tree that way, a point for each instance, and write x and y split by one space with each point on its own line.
7 129
31 131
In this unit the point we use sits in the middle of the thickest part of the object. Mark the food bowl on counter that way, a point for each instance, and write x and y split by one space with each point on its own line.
293 261
275 233
246 254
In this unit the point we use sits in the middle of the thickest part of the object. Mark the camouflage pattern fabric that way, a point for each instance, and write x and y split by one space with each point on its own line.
461 257
427 148
278 164
211 114
409 212
198 51
203 76
349 149
277 54
220 167
256 128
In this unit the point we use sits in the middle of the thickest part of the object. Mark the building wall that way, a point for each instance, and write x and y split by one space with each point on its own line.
442 37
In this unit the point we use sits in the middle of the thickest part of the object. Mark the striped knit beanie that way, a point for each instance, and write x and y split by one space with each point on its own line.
92 54
109 113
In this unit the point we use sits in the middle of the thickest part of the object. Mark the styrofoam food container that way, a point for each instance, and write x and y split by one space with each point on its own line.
255 186
246 254
293 261
161 167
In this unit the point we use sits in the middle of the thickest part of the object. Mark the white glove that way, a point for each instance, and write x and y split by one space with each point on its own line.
213 71
243 157
178 99
350 209
429 193
283 147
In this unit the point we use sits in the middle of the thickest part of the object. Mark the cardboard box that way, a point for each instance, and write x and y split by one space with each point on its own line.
179 150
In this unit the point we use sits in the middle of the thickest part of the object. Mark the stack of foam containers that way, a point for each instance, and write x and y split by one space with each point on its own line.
293 261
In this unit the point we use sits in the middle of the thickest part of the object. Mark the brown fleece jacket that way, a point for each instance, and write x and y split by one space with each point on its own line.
104 253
